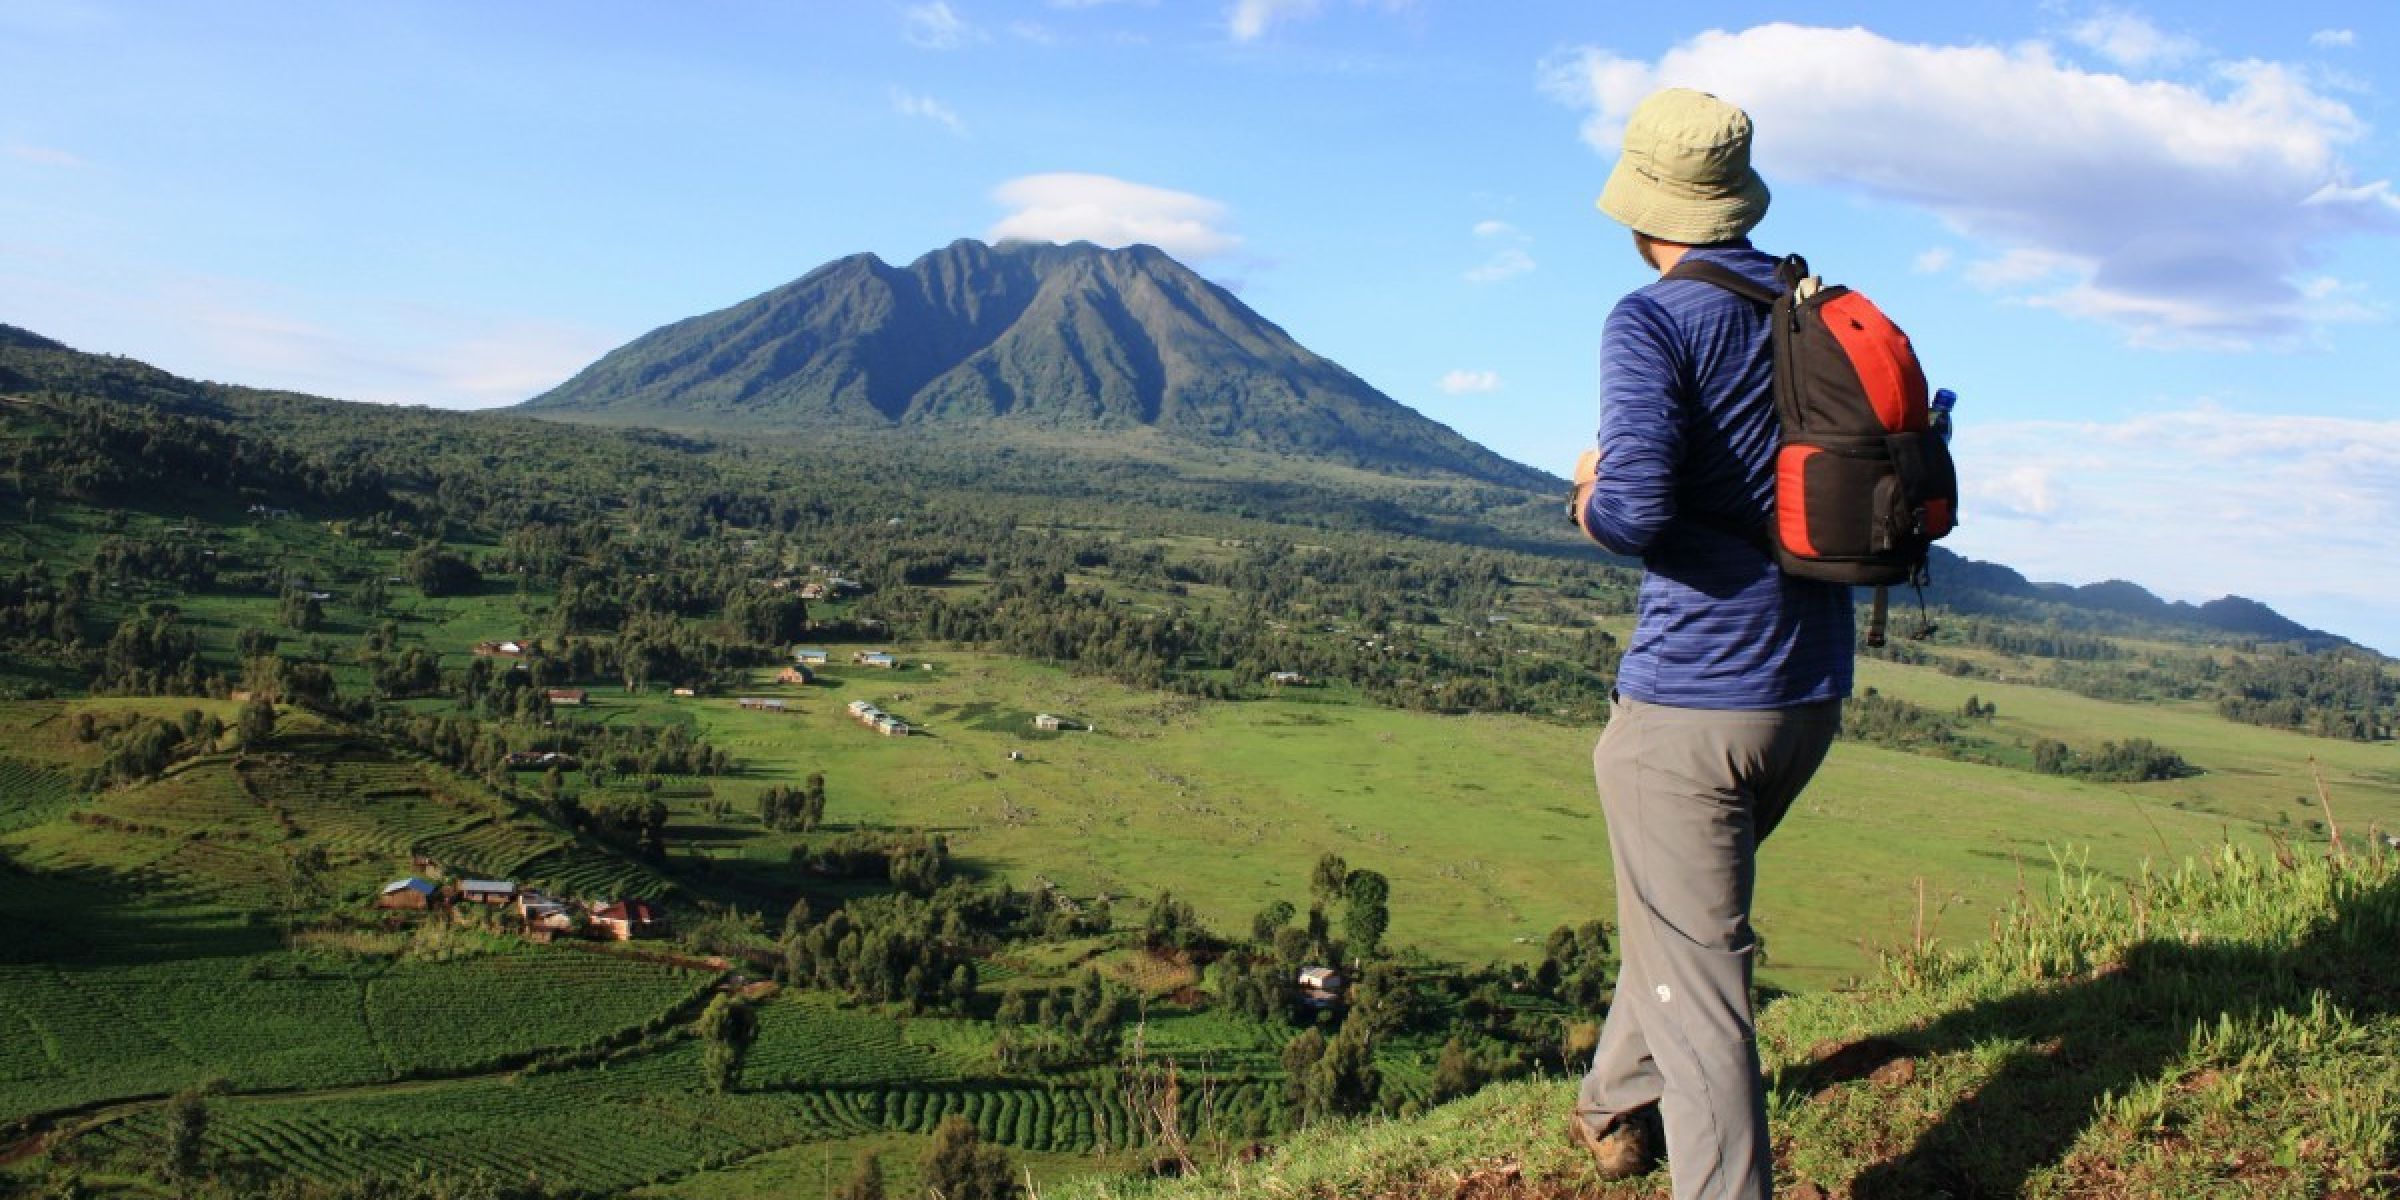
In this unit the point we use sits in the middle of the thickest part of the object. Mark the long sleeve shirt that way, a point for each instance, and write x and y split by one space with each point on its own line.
1687 439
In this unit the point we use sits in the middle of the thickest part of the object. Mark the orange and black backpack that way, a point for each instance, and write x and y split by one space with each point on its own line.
1863 483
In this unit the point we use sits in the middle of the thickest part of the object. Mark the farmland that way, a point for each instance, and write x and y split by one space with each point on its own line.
229 724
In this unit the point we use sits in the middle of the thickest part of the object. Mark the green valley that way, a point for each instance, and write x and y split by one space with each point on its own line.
264 656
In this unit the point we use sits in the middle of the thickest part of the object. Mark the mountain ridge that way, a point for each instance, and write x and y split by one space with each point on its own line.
31 363
1028 335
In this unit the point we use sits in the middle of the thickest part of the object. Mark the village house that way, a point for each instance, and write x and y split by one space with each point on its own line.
626 920
1050 723
682 692
795 674
875 658
891 726
1287 678
541 760
812 591
500 649
546 915
412 892
762 704
810 655
1320 986
487 891
567 697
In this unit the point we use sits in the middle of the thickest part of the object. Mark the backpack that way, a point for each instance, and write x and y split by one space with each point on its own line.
1863 483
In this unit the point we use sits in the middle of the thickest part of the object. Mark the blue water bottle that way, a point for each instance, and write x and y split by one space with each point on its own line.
1943 401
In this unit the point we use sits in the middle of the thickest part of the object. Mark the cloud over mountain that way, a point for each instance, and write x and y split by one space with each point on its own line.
1107 211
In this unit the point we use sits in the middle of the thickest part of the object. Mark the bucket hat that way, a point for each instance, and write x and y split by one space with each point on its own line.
1685 174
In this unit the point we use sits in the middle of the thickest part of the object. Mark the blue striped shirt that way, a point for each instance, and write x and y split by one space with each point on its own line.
1687 441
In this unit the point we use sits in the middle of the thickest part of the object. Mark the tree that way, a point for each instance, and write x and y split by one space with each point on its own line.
727 1027
186 1129
866 1180
257 722
1270 919
1300 1058
1345 1082
438 572
1366 910
959 1166
1455 1074
1325 883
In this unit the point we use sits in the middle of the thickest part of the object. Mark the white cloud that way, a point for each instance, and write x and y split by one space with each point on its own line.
2131 41
45 156
1933 261
1465 383
910 104
1511 259
936 26
1248 20
2179 212
1069 207
1504 264
2296 511
2333 39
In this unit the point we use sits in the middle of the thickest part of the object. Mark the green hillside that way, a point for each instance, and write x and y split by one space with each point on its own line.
2223 1029
251 671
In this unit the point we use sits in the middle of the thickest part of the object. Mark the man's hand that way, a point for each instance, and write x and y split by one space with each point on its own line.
1587 473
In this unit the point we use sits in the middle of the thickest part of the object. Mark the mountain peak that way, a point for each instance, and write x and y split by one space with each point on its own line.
1036 336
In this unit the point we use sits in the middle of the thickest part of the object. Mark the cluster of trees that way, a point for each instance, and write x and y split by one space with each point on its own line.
2134 760
794 809
1335 1077
152 653
136 747
1883 720
2343 694
900 949
1258 978
916 863
1083 1023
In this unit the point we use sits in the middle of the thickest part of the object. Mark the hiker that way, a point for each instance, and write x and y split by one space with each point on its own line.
1730 691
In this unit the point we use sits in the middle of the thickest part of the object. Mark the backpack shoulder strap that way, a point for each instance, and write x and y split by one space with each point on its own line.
1701 271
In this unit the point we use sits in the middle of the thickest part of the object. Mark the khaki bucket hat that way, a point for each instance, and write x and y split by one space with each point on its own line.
1685 175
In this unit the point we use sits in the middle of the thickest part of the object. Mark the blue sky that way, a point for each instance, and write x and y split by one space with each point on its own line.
2153 247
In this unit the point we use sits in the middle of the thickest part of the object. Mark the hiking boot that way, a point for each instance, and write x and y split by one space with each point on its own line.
1628 1149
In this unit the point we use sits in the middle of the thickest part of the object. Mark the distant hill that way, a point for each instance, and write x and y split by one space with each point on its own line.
1034 337
2233 615
25 339
30 363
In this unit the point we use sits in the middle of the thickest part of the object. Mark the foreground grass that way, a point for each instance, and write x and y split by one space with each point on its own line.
2231 1029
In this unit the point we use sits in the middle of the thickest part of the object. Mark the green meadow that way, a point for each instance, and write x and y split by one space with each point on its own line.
1487 826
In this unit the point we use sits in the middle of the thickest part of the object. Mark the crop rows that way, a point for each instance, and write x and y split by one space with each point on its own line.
490 846
80 1050
814 1042
31 794
577 870
1026 1116
458 1015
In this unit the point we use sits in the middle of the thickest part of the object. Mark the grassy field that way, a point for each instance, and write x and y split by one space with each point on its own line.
2223 1030
1487 826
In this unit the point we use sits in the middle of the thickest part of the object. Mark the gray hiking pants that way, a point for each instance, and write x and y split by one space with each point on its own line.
1689 794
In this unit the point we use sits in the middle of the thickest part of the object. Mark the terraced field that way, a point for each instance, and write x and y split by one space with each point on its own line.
31 793
458 1016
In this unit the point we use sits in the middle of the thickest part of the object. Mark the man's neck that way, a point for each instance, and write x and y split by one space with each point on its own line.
1664 255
